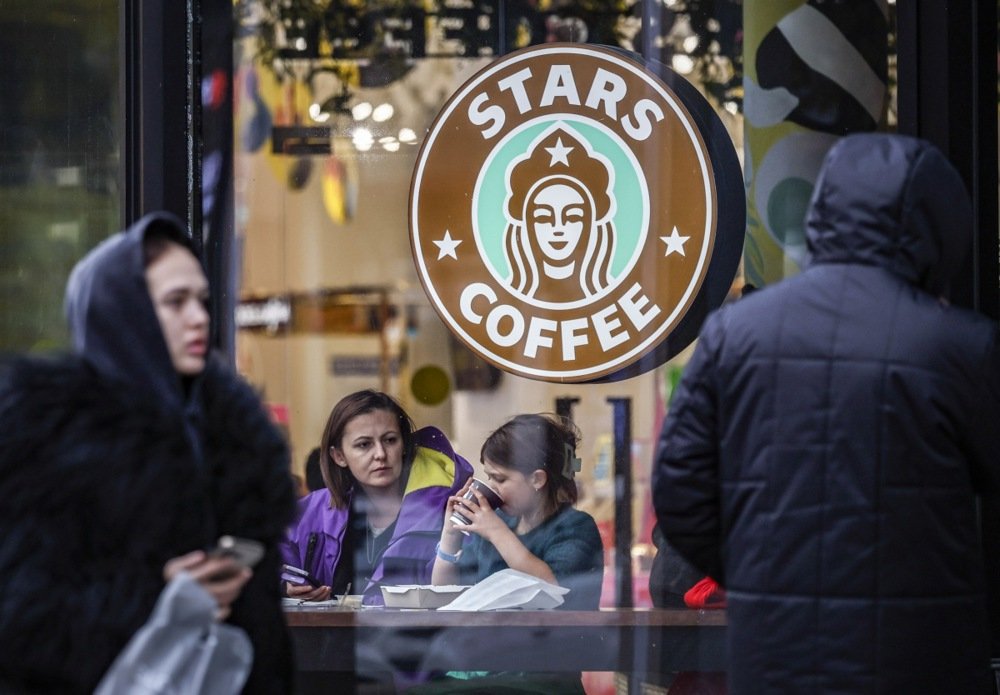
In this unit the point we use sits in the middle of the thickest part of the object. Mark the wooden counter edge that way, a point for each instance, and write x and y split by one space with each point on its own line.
301 616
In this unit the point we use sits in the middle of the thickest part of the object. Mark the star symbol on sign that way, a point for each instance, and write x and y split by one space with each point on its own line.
447 246
675 242
559 153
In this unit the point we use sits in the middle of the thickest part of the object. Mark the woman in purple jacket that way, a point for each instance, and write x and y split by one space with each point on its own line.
380 515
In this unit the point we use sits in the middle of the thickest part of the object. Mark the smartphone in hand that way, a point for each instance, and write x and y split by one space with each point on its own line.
246 551
297 575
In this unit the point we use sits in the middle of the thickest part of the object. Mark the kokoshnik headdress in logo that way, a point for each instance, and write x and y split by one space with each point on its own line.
563 212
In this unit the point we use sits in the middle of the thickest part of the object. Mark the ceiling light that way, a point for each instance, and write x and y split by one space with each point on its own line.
361 111
682 64
382 112
317 113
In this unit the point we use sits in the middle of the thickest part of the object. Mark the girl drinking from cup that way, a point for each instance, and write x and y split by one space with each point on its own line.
530 463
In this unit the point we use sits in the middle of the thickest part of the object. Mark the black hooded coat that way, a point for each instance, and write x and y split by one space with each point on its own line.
824 451
110 465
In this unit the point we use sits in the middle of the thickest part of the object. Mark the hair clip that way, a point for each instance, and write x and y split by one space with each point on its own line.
571 464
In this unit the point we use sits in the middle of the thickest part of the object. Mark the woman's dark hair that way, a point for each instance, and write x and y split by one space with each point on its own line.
313 475
159 236
541 441
339 480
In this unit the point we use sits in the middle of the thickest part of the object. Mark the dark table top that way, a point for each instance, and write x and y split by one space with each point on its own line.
629 640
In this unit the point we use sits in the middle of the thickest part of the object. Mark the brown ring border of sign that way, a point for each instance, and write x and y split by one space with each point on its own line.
696 127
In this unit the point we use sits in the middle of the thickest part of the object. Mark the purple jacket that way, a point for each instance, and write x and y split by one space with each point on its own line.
437 473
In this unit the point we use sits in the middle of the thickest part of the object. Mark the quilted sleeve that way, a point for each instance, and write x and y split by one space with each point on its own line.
685 470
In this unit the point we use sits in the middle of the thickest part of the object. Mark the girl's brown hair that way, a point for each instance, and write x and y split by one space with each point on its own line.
338 479
538 441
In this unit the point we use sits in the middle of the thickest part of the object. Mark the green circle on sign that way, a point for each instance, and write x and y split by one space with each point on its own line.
430 385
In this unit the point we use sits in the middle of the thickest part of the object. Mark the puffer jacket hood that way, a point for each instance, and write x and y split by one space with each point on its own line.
894 202
111 316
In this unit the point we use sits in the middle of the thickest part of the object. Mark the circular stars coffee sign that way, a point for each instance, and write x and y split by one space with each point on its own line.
566 211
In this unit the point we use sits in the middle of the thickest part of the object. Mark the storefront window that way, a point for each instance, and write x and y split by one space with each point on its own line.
328 126
330 113
59 158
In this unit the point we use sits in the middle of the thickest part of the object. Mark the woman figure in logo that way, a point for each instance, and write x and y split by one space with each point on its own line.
560 239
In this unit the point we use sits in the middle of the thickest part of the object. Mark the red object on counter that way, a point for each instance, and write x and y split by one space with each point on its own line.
706 593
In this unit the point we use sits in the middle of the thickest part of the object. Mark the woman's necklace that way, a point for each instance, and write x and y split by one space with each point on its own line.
371 533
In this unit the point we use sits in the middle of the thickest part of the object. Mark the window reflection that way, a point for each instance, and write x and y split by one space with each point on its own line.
59 134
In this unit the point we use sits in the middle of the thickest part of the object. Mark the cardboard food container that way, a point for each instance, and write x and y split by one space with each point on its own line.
420 595
350 601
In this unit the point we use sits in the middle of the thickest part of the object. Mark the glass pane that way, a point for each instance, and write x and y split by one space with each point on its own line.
59 134
330 113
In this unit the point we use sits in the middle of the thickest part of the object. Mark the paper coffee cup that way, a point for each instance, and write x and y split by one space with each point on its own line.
492 497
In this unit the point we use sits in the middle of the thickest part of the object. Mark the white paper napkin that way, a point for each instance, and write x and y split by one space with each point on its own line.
509 589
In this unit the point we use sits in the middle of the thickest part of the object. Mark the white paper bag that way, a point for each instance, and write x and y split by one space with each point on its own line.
181 649
509 589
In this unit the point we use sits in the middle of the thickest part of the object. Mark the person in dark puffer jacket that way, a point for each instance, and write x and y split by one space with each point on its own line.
823 456
137 452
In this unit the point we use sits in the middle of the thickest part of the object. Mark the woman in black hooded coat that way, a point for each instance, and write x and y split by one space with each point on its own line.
823 455
114 462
